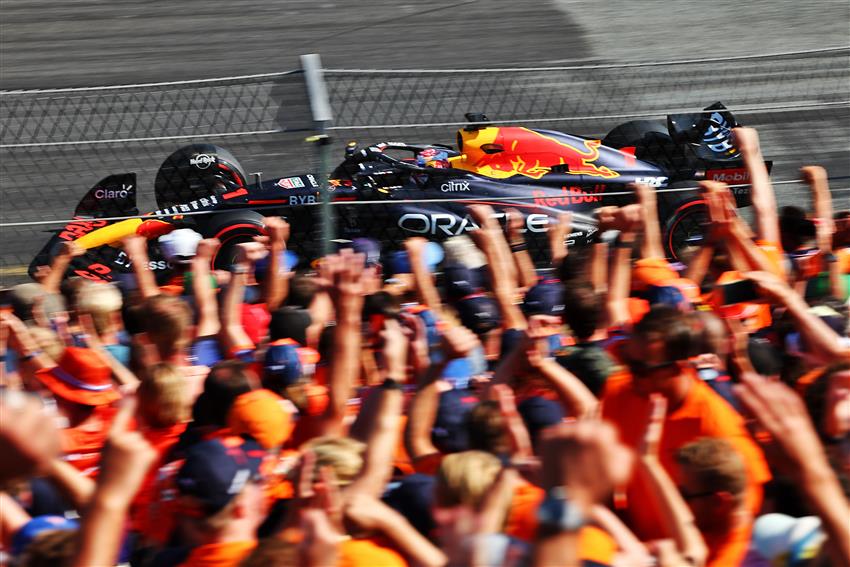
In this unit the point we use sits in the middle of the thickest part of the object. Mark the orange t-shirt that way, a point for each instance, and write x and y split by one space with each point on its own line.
729 549
162 441
368 553
703 413
83 444
228 554
775 255
521 522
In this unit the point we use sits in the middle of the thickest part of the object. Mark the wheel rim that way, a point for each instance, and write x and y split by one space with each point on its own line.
687 228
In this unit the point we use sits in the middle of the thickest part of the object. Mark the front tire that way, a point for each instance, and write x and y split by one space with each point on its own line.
232 229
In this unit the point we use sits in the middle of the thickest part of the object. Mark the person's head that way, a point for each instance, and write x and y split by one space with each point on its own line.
479 313
179 247
220 486
585 312
487 429
713 482
463 478
342 454
544 305
49 547
24 297
168 322
290 323
163 398
828 405
538 413
450 433
259 413
794 228
103 303
80 378
658 350
226 381
302 289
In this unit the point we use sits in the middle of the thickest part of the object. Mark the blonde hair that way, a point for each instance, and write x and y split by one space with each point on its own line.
163 398
101 301
48 341
464 478
343 454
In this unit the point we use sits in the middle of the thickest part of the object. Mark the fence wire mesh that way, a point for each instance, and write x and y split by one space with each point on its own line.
55 144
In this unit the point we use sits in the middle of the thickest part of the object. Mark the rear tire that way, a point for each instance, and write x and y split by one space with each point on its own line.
683 225
231 229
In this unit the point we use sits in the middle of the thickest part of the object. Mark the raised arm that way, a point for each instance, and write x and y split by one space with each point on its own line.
233 335
818 182
628 220
676 516
557 233
344 272
763 198
136 248
819 337
492 242
208 322
67 252
276 285
781 412
651 246
424 283
519 249
458 342
382 413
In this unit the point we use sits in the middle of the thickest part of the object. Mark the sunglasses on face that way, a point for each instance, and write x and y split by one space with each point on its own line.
694 495
641 368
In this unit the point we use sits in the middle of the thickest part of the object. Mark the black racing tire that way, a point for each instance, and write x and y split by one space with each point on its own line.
178 181
633 133
232 228
683 222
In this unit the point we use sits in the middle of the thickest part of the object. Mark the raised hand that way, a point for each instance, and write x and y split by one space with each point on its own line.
277 229
250 252
206 248
459 342
29 440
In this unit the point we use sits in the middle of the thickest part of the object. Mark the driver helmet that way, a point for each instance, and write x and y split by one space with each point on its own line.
433 157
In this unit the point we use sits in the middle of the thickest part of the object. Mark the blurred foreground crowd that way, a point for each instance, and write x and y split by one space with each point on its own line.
443 405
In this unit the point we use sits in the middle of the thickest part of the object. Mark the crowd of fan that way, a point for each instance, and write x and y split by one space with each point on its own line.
443 405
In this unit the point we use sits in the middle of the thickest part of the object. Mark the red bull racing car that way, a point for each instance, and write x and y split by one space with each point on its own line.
419 189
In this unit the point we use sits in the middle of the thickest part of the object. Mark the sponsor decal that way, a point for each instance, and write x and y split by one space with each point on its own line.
312 180
200 204
202 161
302 200
733 175
572 195
122 193
452 186
652 181
290 183
75 230
452 225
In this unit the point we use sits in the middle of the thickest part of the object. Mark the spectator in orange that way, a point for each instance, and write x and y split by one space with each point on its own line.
714 484
657 356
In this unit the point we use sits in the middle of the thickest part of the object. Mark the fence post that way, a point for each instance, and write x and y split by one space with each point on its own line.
321 109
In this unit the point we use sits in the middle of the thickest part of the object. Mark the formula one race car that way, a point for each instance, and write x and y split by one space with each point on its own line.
392 190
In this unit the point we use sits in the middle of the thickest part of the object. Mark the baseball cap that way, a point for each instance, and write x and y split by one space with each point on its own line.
785 540
399 263
413 498
539 413
478 313
450 434
260 414
667 295
179 246
81 376
546 298
282 365
37 526
218 469
461 281
288 260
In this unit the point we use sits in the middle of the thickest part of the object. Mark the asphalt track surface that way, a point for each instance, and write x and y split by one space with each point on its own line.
75 43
